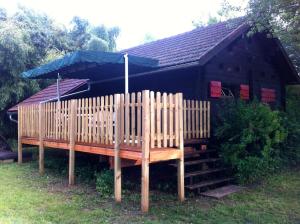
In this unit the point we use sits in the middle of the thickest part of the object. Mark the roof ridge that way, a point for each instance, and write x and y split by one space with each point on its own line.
184 33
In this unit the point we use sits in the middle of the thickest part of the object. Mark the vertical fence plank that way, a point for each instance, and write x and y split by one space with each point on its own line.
165 120
50 119
102 119
139 118
158 119
81 106
133 118
89 116
197 118
193 119
208 119
201 119
177 120
20 130
98 119
106 119
185 119
41 139
171 120
122 118
180 162
127 120
93 120
189 119
72 142
117 160
204 118
78 120
152 120
145 152
111 114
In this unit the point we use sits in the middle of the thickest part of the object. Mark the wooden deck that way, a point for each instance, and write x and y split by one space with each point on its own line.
126 152
144 127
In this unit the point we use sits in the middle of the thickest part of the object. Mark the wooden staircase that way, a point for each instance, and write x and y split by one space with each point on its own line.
204 170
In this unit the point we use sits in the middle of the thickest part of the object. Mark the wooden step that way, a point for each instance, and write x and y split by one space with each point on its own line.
198 152
208 183
221 192
195 162
204 172
200 161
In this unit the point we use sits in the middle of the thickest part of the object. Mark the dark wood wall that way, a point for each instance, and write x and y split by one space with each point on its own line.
171 82
246 61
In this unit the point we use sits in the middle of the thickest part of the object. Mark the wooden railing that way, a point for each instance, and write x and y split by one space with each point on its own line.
96 119
196 119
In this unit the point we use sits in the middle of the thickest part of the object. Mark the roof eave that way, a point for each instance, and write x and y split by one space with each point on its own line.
227 40
290 64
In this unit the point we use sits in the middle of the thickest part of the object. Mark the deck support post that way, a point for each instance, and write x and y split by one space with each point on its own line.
20 155
72 142
145 151
117 159
41 145
180 162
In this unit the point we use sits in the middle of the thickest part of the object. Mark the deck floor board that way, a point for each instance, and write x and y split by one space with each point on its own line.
126 152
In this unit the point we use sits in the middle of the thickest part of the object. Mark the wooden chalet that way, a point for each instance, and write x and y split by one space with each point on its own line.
173 83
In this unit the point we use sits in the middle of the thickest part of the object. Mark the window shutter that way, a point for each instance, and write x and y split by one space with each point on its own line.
215 89
244 92
268 95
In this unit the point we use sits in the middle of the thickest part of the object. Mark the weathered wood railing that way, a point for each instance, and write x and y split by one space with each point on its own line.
196 119
95 119
143 120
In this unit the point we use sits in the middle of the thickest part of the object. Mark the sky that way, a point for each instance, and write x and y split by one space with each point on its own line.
136 18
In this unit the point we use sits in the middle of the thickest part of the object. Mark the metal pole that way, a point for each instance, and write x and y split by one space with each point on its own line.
57 87
126 72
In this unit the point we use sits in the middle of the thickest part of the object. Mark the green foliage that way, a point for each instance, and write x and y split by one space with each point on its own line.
291 146
105 183
88 37
211 20
29 39
148 38
249 136
96 44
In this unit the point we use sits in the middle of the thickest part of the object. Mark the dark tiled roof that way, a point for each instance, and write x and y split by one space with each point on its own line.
66 86
189 46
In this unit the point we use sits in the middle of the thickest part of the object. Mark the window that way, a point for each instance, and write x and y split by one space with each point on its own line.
230 91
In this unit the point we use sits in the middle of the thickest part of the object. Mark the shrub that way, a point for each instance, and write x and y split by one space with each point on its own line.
249 135
290 152
105 183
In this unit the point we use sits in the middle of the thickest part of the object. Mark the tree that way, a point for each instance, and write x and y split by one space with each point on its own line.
88 37
148 38
29 39
211 20
280 17
79 33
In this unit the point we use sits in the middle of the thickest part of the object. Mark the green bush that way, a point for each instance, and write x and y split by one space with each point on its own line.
290 152
105 183
249 135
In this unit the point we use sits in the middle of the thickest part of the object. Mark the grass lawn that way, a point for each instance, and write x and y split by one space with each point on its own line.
25 197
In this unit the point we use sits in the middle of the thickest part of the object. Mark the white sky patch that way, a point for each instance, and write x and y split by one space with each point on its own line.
136 18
